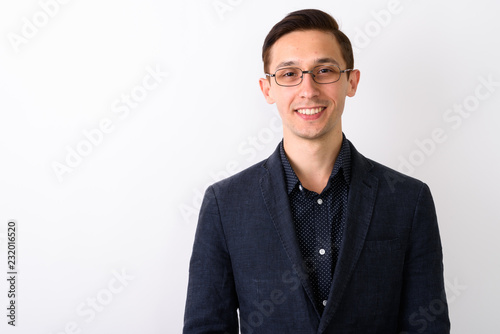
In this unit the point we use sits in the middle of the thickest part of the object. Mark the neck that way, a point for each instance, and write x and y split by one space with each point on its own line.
313 159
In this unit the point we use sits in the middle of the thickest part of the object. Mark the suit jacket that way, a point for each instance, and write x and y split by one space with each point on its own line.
246 257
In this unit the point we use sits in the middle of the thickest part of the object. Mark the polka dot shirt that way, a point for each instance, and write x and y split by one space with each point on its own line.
320 220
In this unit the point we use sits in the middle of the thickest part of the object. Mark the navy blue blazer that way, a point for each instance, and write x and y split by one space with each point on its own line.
246 257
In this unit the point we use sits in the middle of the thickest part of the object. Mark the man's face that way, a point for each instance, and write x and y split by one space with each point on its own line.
305 50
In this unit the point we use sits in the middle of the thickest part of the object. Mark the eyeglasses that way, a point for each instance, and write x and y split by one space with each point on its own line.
293 76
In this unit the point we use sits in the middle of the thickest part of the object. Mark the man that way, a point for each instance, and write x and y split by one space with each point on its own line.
316 238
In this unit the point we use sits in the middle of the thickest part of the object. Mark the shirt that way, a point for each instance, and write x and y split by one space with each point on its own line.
319 221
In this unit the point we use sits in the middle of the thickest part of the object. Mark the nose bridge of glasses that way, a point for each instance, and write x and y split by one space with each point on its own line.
309 86
311 72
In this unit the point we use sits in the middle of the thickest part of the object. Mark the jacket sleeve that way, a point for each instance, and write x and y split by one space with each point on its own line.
424 308
211 298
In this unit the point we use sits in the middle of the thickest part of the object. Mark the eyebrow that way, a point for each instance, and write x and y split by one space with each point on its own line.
324 60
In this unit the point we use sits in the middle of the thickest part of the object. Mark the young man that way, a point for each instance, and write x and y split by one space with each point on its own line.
316 238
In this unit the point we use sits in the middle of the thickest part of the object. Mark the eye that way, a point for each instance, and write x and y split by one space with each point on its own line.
325 70
288 76
288 73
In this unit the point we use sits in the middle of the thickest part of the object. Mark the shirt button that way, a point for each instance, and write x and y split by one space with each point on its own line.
320 201
322 251
324 302
300 187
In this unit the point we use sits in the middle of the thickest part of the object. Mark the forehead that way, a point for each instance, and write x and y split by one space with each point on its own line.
305 48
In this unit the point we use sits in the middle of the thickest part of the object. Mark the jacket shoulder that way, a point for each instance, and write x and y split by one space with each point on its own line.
389 178
386 173
248 177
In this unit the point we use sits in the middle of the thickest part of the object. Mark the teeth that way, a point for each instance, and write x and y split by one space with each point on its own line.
310 111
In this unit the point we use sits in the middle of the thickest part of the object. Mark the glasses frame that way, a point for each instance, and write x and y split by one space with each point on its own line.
308 72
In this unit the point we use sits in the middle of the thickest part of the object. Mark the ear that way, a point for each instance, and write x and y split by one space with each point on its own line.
265 87
353 82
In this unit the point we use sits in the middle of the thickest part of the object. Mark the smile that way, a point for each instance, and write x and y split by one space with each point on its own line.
311 111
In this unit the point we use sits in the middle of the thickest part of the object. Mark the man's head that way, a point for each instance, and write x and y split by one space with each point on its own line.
310 104
307 19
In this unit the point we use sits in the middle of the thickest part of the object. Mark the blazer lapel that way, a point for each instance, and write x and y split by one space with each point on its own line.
276 199
362 194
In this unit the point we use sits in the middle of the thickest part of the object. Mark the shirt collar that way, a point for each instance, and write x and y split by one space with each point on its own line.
343 162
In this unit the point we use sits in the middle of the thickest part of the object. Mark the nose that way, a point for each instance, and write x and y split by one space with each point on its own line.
308 88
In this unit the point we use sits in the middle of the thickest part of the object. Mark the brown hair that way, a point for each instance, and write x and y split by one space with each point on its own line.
307 19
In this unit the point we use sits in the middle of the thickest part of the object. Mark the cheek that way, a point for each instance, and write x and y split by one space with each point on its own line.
339 95
282 98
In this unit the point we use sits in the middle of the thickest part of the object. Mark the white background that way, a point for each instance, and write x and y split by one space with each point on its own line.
130 204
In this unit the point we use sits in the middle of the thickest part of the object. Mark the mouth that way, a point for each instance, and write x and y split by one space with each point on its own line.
310 111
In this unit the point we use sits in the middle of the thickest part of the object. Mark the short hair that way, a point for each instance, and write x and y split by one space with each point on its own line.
307 19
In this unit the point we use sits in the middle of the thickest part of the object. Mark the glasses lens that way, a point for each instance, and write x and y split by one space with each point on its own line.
326 74
289 76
